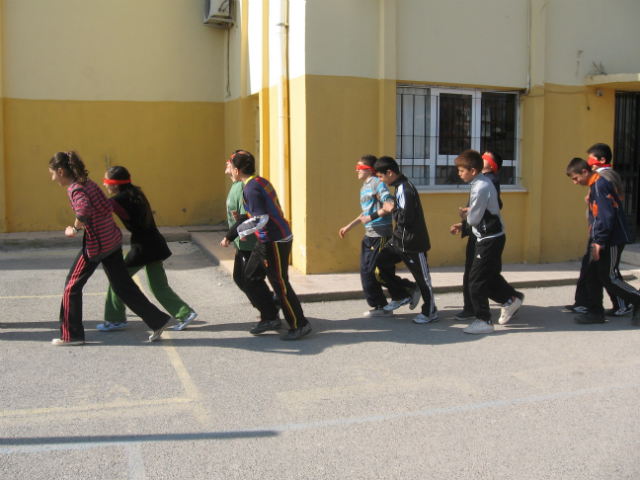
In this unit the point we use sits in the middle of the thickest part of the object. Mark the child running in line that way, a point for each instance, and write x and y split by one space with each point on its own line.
492 162
483 215
264 218
608 234
600 157
102 243
378 229
409 244
148 250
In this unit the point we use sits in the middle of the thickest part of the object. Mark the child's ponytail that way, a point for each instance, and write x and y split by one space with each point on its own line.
72 164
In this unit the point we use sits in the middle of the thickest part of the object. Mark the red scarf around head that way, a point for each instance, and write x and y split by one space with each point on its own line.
598 164
110 181
365 167
492 162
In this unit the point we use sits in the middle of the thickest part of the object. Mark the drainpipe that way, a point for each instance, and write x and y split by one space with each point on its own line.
526 92
283 110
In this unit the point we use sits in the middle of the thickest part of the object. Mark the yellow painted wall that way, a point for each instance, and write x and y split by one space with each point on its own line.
173 150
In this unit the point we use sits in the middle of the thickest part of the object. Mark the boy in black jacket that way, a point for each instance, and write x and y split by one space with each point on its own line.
409 244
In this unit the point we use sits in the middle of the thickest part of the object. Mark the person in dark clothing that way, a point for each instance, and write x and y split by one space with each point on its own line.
409 244
148 250
608 234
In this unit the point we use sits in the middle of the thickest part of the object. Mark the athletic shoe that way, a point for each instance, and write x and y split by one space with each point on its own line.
464 315
510 308
378 312
396 304
636 316
58 342
265 325
415 298
156 333
183 323
422 318
574 309
590 318
111 326
479 327
297 333
612 312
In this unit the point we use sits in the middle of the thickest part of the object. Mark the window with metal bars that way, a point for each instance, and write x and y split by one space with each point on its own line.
434 125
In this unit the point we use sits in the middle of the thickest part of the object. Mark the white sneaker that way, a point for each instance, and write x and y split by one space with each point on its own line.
415 298
509 309
395 304
479 327
422 318
58 342
378 312
156 333
183 324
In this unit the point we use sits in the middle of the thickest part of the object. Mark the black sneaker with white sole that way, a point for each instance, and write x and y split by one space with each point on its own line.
297 333
265 325
464 315
618 312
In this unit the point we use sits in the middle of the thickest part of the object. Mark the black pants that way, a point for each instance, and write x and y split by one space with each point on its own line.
369 251
399 288
272 258
485 276
239 264
582 298
497 296
602 273
71 327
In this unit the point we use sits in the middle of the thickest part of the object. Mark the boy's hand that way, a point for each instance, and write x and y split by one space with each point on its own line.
235 215
342 231
463 213
388 206
69 232
586 199
595 251
225 242
456 229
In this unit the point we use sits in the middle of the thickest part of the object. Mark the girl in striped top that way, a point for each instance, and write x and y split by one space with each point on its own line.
102 243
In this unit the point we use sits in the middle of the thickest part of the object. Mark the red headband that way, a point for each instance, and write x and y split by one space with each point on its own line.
110 181
492 162
594 161
365 167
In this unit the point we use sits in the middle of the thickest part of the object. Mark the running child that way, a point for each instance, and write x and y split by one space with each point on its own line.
264 218
378 226
483 215
102 243
148 250
409 244
608 234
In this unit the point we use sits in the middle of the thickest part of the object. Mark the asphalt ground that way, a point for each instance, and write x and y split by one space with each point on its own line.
541 398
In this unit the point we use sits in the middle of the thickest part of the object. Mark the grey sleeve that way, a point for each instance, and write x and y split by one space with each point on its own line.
252 225
478 201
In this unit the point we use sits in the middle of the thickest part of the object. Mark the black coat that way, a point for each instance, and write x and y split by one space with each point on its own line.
410 234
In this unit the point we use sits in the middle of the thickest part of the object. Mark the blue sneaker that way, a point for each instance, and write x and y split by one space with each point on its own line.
111 326
183 324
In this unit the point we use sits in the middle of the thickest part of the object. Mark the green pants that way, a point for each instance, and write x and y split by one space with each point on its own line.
114 309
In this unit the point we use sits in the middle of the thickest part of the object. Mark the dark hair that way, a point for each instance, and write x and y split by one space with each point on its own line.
496 158
71 163
243 161
577 165
135 194
601 150
384 164
368 160
470 159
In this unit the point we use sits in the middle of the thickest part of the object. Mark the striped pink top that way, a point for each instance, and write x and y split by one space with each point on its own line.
91 206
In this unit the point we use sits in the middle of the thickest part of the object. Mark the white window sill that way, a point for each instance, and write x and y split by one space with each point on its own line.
465 189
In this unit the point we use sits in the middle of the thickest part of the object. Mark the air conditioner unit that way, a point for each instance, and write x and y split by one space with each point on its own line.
219 13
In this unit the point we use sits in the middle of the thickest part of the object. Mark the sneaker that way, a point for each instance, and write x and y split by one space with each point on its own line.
636 316
378 312
183 324
510 308
111 326
574 309
396 304
479 327
464 315
156 333
612 312
265 325
58 342
422 318
590 318
415 298
297 333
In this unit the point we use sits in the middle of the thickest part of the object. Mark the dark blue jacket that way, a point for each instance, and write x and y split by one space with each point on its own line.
607 222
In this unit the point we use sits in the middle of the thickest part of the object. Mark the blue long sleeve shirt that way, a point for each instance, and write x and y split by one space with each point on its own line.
607 221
